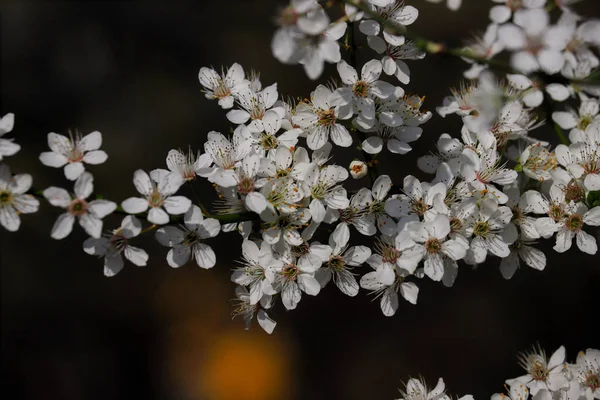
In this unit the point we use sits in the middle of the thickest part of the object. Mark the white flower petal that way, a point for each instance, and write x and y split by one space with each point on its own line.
74 170
58 197
136 255
63 226
205 256
158 216
176 205
95 157
52 159
91 224
135 205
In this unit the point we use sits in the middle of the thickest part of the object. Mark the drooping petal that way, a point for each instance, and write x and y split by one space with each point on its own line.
91 224
204 255
63 226
74 170
136 255
157 216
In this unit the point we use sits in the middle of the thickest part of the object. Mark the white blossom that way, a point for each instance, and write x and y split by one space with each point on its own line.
73 152
89 214
13 198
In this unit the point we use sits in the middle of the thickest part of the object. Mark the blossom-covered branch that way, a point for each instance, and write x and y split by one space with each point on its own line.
496 188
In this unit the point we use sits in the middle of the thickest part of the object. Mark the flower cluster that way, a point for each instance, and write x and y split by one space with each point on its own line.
494 188
545 378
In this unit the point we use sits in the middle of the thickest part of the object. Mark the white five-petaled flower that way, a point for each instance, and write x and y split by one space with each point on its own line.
320 119
158 190
246 309
579 121
339 260
417 390
587 373
226 155
311 50
255 106
115 245
541 372
322 187
535 43
427 241
502 12
224 87
360 92
568 220
417 199
538 162
13 199
517 391
186 241
490 231
396 12
296 275
73 152
89 214
7 146
582 161
393 56
389 276
257 270
185 166
481 171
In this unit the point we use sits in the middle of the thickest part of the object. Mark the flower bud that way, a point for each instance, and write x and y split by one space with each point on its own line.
358 169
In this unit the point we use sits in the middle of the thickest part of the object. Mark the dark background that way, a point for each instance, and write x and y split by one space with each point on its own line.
129 70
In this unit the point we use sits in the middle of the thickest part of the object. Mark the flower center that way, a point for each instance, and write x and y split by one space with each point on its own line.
78 207
326 117
433 245
300 250
584 122
514 4
455 224
336 263
222 91
419 206
6 198
360 89
246 186
290 272
268 142
538 371
592 380
481 229
155 199
574 222
557 212
74 154
574 192
287 16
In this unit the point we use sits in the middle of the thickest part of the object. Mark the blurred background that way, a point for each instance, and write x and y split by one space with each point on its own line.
129 69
